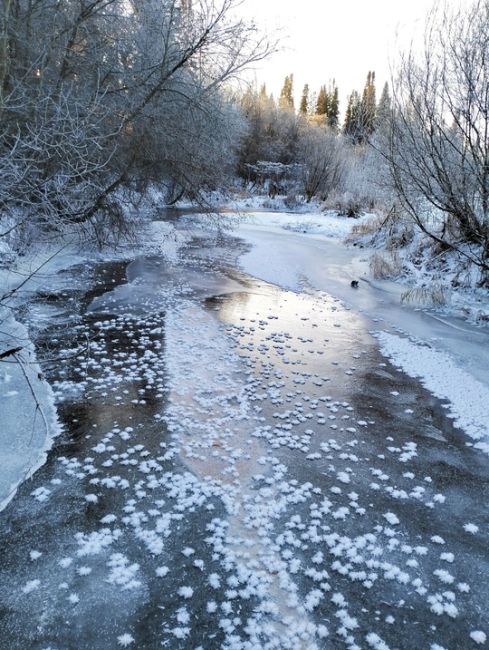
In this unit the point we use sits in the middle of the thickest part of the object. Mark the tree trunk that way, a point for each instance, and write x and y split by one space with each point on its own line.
4 50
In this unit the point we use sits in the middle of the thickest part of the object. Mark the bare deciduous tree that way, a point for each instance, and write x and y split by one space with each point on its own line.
323 162
97 93
438 143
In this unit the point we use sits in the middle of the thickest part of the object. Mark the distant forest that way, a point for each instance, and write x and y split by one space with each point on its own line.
101 98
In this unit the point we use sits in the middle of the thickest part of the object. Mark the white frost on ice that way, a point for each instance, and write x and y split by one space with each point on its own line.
391 518
471 528
438 372
374 641
32 585
125 640
186 592
478 636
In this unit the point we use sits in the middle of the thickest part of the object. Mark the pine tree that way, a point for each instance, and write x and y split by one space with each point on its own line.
304 100
384 108
286 101
322 102
333 111
368 106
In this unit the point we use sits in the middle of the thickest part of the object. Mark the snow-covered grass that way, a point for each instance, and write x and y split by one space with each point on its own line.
432 276
242 200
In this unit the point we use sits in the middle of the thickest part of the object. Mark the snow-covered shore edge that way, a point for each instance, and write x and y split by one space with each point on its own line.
466 397
29 419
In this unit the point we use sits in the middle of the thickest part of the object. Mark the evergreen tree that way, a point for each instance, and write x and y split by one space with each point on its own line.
368 107
360 117
322 102
304 100
352 124
286 101
384 108
333 109
327 105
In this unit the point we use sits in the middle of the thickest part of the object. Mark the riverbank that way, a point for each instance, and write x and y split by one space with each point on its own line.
29 418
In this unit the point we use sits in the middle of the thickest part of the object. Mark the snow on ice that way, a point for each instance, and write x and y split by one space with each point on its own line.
231 466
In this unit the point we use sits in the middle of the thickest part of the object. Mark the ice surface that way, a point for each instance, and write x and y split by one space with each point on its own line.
28 416
29 422
468 397
246 473
294 260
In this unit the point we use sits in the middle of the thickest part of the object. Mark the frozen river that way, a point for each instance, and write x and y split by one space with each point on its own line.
241 467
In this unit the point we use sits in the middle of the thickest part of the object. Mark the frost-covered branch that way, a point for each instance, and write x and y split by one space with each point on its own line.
438 145
96 94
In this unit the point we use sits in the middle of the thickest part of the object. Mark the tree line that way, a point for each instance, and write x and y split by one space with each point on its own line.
362 113
420 152
313 147
99 98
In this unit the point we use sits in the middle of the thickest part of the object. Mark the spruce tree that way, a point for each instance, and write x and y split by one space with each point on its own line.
322 102
360 117
368 106
333 107
286 100
348 116
304 100
352 126
384 108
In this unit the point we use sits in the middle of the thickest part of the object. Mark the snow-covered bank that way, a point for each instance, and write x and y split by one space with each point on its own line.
429 274
327 224
244 201
29 420
467 397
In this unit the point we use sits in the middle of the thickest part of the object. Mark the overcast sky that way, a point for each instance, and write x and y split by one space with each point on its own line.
341 39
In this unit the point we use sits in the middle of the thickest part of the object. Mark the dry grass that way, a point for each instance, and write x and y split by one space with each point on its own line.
399 237
389 226
369 227
383 267
435 296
